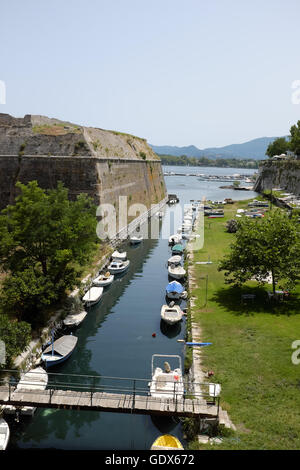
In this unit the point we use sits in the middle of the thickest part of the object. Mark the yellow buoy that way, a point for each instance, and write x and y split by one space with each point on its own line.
166 442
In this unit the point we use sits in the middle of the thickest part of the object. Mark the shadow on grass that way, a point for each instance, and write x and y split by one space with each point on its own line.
231 299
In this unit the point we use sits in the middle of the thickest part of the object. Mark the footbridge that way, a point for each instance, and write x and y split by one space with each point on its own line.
107 394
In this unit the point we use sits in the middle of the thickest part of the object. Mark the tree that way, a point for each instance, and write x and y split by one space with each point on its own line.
44 240
295 138
269 245
277 147
15 335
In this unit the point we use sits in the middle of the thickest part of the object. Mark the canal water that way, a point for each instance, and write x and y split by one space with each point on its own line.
116 339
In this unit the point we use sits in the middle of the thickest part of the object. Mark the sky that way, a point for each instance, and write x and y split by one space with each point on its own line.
193 72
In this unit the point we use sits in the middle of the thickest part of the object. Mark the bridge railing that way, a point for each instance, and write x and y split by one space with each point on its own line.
9 380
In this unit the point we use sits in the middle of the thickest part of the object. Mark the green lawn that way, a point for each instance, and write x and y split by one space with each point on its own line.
251 351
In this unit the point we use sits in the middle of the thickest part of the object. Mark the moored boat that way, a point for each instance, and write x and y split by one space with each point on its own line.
174 290
136 240
103 279
174 239
74 319
166 382
176 259
171 314
177 249
92 296
60 350
167 442
4 434
119 256
116 267
177 272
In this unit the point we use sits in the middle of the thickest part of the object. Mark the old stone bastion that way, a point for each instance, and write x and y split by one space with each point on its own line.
104 164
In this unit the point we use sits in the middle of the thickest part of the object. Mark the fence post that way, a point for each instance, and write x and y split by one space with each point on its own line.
133 403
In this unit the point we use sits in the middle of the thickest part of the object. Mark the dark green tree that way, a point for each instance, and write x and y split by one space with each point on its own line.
295 138
269 245
44 240
15 335
277 147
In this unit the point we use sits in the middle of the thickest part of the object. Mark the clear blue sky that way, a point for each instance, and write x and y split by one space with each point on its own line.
208 73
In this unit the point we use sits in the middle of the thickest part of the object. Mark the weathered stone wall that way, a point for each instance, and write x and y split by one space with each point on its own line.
103 164
280 174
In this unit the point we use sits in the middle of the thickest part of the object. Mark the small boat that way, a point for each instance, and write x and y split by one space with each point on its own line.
174 290
167 442
136 240
74 319
166 383
118 266
177 272
171 314
103 279
119 256
92 296
34 379
4 434
176 259
177 249
59 350
174 239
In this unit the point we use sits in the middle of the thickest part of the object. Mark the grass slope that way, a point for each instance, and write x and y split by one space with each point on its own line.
251 351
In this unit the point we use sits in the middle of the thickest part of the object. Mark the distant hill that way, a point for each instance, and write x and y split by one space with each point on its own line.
254 149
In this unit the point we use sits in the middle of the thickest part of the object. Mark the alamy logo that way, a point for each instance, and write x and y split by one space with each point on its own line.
296 94
2 92
296 354
2 353
114 224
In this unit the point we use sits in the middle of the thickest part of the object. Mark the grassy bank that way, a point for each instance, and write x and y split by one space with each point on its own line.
251 350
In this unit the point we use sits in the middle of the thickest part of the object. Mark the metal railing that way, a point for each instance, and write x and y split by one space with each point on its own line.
204 392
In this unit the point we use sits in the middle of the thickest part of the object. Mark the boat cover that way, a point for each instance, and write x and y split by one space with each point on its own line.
175 287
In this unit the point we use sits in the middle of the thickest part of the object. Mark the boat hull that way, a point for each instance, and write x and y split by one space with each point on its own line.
54 362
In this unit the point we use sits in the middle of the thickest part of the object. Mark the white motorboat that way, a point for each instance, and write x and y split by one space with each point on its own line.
60 350
176 259
34 379
74 319
177 272
174 239
4 434
92 296
119 256
116 267
103 279
166 383
171 314
136 240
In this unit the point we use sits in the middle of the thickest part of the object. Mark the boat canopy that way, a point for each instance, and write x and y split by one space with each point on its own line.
177 247
175 286
63 345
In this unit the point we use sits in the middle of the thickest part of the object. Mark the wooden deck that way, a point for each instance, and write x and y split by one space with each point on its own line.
101 401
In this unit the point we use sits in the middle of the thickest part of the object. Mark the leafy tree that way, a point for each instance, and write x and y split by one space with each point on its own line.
15 335
269 245
295 138
277 147
44 239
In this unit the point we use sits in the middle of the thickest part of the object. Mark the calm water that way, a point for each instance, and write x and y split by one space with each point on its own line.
116 339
